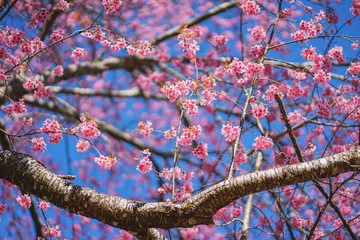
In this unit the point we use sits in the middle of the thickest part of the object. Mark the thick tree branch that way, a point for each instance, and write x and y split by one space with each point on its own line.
27 173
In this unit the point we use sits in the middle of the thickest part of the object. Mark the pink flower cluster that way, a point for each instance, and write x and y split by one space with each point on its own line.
63 5
57 35
296 117
44 205
259 111
322 77
258 33
298 201
355 9
111 5
187 42
297 92
240 158
257 51
309 53
270 93
189 134
42 15
263 143
2 75
24 201
78 52
297 75
354 68
337 54
191 107
52 128
89 128
106 162
170 134
59 70
38 144
52 231
15 107
208 82
310 148
324 109
2 208
201 150
41 91
145 129
82 145
145 164
31 46
230 132
175 90
250 7
220 40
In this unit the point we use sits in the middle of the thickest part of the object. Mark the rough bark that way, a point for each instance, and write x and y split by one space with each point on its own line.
31 176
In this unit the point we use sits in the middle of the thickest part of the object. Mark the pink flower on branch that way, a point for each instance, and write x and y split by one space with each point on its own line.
78 52
145 129
189 134
24 201
263 143
145 164
230 132
38 144
15 107
44 205
106 162
201 150
250 7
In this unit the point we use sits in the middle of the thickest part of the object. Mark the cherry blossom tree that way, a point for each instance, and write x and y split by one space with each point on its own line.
186 119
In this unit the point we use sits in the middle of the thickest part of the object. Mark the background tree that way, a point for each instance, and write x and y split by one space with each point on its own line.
179 119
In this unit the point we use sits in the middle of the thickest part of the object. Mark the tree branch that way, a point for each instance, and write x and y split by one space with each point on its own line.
27 173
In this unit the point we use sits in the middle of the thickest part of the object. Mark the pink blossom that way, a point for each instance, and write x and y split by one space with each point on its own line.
258 33
52 231
63 5
2 208
38 144
310 148
240 158
191 107
2 75
220 40
322 77
259 111
15 107
42 15
296 117
52 128
106 162
78 52
250 7
230 132
201 150
287 190
270 93
145 129
24 201
298 201
111 5
263 143
297 222
44 205
82 145
30 84
89 128
59 70
189 134
145 165
170 134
